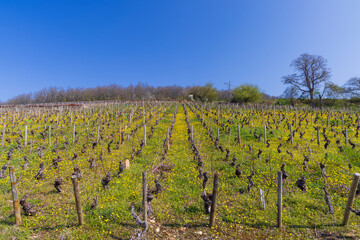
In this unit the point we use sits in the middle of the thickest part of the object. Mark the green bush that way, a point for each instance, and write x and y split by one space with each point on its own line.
246 94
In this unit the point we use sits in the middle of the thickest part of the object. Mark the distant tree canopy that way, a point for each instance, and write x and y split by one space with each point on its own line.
116 92
246 93
334 91
205 93
111 92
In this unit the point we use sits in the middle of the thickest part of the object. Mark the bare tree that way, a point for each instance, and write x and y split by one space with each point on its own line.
352 86
291 93
311 74
228 90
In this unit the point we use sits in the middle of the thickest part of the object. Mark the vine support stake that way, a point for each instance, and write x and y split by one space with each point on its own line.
239 136
168 138
144 192
50 135
264 133
25 134
98 134
279 203
327 121
77 199
318 135
214 200
15 196
351 197
120 142
192 133
346 136
74 134
145 135
3 135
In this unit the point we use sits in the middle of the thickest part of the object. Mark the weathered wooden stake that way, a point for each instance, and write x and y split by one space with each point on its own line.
168 138
279 203
145 135
25 134
77 199
279 116
214 200
143 114
318 135
120 140
262 198
291 135
74 134
239 136
264 133
15 196
346 136
351 197
98 134
3 135
49 135
127 164
144 192
192 132
327 121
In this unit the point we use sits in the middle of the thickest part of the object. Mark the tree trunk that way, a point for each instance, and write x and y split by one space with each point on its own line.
312 98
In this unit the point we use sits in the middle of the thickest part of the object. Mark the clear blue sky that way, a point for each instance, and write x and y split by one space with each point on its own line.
163 42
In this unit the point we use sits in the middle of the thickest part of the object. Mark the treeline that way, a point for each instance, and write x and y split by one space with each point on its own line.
132 93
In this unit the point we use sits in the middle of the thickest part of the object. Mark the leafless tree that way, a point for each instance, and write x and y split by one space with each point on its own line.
228 90
352 86
311 73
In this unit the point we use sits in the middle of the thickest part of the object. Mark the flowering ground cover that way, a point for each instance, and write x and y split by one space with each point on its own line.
186 144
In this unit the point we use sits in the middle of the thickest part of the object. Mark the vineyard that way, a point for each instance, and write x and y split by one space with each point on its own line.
169 152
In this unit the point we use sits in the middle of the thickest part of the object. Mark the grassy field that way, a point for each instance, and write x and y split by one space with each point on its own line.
178 210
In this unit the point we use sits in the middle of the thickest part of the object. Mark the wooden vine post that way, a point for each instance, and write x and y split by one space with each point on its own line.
15 196
26 134
318 135
98 134
49 135
145 135
144 192
168 138
214 200
264 133
327 121
74 134
192 133
279 203
120 141
77 199
239 136
346 136
3 135
351 197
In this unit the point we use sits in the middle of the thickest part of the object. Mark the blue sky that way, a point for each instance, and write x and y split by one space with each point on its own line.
162 42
